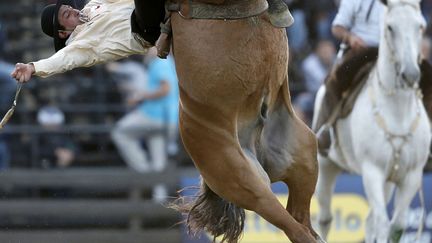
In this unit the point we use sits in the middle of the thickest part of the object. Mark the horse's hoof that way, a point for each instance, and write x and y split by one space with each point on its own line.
279 14
396 235
319 240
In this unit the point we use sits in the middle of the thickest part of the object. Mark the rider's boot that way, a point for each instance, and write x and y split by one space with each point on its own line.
279 14
147 18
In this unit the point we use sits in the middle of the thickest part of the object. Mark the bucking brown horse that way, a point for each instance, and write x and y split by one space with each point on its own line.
237 122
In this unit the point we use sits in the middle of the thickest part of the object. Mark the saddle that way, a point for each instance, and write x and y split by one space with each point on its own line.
346 104
350 96
279 14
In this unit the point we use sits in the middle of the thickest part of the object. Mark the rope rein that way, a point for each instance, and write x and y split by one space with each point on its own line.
10 112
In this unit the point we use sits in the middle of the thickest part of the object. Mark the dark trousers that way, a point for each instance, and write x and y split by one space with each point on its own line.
147 17
341 79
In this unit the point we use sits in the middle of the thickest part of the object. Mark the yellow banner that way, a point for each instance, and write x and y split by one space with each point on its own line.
348 225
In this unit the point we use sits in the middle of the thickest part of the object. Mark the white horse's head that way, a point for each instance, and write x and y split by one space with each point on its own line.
403 29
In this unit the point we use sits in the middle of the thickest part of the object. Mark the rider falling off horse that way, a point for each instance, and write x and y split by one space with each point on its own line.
106 30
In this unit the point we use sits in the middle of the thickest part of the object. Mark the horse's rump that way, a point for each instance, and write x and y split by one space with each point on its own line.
239 59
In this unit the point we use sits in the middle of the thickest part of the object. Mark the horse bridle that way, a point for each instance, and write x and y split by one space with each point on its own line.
392 54
393 90
391 136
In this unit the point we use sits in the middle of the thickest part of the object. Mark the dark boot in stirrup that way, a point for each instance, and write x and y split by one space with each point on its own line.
279 14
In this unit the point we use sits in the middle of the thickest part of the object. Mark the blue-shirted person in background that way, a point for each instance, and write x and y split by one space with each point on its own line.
154 120
7 91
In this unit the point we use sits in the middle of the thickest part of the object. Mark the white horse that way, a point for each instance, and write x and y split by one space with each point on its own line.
386 137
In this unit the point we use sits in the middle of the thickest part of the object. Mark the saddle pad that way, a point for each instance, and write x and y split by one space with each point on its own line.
352 93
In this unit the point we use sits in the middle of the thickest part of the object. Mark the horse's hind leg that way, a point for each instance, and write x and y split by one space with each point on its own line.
212 142
289 150
328 172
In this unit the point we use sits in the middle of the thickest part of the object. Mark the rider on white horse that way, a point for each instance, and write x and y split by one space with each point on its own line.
357 25
386 136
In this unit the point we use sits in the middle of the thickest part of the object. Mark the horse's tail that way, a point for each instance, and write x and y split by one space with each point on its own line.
207 211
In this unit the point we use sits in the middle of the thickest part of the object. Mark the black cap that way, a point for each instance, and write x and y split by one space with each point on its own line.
49 22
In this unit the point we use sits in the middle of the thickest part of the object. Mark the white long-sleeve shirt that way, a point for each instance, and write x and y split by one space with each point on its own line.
107 36
353 15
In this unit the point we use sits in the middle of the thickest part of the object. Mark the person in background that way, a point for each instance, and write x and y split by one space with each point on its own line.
298 33
315 67
7 89
154 120
357 27
426 49
57 150
130 76
7 84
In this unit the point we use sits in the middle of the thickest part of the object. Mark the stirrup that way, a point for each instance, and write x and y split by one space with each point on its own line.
279 14
163 43
324 140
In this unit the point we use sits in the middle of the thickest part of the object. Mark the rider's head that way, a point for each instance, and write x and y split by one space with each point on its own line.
59 20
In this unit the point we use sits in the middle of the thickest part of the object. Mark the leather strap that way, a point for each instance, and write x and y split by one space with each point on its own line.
230 9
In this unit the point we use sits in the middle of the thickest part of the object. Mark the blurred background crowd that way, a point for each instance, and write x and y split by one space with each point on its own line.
75 112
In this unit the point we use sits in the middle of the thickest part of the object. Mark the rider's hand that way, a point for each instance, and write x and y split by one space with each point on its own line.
355 42
23 72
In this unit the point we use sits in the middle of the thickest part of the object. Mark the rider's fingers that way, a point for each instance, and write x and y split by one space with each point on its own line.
27 77
22 79
18 76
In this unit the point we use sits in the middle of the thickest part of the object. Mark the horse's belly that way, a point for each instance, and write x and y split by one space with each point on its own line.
227 61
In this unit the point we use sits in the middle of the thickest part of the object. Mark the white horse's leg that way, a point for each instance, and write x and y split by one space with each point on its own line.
388 191
378 225
369 235
404 195
328 172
